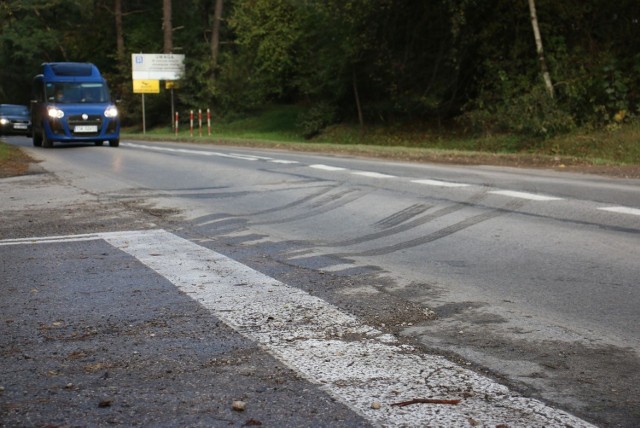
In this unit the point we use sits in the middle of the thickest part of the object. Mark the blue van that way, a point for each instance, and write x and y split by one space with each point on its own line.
71 104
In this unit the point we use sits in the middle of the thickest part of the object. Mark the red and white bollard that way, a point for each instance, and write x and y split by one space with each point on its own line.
200 122
208 122
176 124
191 122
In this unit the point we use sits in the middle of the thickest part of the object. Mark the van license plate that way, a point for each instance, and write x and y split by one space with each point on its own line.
85 128
20 126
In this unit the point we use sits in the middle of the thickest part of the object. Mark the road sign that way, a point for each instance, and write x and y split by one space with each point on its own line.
146 86
157 66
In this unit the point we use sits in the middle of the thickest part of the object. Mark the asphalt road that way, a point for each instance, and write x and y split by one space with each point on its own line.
527 277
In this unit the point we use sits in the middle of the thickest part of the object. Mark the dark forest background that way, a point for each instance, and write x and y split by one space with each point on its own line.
473 64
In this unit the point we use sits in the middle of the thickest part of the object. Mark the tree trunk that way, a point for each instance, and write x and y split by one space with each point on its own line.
540 51
356 95
117 11
215 36
167 26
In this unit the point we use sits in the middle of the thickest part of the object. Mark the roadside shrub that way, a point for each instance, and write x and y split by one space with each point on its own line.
533 113
536 114
314 120
598 90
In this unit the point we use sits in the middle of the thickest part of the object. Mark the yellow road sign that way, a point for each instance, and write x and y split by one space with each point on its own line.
171 84
146 86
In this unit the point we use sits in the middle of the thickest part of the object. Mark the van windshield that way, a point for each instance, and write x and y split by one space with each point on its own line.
77 92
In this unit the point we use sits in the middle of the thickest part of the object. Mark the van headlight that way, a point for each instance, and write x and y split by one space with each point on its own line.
111 112
55 113
3 121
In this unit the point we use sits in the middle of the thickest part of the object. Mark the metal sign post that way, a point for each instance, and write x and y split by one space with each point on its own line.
145 87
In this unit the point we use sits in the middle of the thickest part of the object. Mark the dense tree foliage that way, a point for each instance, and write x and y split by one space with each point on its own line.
469 62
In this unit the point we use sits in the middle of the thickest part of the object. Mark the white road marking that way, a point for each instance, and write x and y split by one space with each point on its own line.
355 363
283 161
327 167
51 239
251 157
622 210
372 174
192 152
525 195
209 153
440 183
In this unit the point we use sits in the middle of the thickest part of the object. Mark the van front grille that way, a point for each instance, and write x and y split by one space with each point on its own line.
93 119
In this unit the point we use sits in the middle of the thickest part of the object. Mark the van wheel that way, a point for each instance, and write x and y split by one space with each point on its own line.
37 139
114 143
46 142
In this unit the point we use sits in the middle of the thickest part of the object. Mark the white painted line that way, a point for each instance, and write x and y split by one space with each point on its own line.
251 157
440 183
192 152
188 151
525 195
244 157
51 239
372 174
283 161
622 210
353 362
209 153
327 167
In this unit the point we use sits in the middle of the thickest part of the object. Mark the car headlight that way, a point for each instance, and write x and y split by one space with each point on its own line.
111 112
55 113
4 121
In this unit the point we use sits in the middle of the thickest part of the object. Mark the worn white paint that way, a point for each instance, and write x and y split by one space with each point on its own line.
372 174
51 239
440 183
525 195
327 167
351 361
284 161
622 210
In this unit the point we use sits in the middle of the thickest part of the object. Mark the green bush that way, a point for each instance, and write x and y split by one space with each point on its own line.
317 118
533 113
536 114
